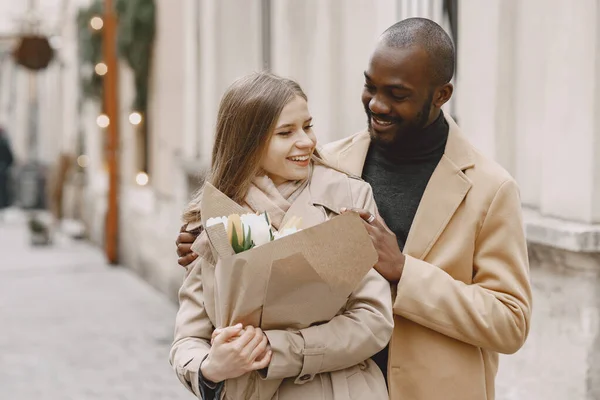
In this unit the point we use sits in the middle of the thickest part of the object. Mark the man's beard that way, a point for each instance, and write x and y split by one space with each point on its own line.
404 130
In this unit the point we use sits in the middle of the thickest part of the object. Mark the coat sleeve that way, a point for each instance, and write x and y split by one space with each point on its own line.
193 330
362 330
494 310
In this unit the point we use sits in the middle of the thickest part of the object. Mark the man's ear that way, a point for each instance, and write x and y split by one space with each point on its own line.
443 94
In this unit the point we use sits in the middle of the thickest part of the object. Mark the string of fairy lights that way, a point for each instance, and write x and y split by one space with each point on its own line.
103 121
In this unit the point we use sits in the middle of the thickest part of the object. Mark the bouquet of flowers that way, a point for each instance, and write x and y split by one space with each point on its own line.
250 230
289 279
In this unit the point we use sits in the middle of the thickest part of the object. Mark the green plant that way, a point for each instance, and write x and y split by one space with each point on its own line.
90 50
135 40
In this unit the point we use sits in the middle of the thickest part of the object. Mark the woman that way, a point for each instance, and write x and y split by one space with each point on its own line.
265 159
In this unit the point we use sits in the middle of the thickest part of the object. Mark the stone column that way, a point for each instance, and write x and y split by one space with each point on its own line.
486 77
191 73
71 82
325 46
566 147
208 67
230 47
166 100
529 74
571 129
530 90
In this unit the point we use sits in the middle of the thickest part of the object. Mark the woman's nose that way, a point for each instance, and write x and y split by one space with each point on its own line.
305 141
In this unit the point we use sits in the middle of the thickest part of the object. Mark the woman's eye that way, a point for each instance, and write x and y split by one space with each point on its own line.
286 133
307 127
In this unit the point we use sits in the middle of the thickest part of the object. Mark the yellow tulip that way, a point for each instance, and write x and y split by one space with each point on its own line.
234 222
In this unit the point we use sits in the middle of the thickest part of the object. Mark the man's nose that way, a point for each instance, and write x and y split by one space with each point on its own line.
378 106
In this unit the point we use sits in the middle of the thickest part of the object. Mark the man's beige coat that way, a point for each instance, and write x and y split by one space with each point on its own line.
464 295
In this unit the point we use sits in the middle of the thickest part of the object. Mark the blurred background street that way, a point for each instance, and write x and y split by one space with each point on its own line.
107 112
75 328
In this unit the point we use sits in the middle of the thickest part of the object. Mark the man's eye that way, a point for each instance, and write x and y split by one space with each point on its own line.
370 88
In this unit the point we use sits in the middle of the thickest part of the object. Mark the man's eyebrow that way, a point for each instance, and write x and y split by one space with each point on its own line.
398 86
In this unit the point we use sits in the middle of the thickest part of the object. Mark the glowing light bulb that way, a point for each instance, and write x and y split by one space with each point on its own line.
101 69
83 161
141 179
96 23
135 118
103 121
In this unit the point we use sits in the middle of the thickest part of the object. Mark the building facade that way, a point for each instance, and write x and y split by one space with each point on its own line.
526 94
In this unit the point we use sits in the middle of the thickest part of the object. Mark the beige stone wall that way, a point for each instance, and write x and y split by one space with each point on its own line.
526 96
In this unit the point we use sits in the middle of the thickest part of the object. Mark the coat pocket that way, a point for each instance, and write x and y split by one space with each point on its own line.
365 381
358 387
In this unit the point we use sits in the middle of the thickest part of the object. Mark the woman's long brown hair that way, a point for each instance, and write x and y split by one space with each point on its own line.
247 117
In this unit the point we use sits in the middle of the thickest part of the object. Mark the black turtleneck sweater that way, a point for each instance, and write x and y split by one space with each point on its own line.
399 180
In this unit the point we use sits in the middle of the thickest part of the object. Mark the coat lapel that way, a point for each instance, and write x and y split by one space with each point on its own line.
445 191
327 189
303 207
352 158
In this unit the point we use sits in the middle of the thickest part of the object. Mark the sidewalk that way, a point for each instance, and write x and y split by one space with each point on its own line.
74 328
561 358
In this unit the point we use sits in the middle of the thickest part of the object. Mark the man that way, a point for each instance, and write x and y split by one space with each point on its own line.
449 235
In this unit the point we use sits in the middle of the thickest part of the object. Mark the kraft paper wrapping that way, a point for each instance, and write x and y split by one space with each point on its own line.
290 283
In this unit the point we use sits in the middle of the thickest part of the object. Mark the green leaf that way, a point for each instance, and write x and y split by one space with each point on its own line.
234 241
248 243
271 237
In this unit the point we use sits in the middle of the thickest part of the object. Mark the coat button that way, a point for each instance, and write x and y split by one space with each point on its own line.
304 378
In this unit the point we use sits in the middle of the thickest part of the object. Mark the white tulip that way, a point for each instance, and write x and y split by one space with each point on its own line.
260 231
217 220
285 232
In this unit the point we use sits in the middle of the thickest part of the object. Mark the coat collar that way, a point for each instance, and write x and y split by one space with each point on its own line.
445 191
352 157
328 188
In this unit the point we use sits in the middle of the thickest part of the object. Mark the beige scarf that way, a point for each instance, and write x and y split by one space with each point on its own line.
264 196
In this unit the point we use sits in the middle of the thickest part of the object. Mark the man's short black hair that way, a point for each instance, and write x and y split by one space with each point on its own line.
429 36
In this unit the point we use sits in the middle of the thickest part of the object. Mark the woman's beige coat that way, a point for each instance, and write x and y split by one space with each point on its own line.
328 361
